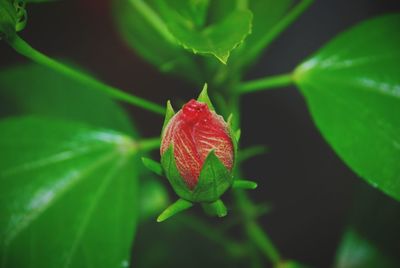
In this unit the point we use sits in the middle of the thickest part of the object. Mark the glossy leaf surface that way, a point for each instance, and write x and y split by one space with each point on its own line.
34 89
352 87
68 195
145 30
217 39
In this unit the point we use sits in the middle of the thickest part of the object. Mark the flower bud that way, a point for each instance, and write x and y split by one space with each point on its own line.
201 145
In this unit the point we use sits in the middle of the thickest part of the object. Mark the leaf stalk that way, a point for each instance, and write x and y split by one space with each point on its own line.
23 48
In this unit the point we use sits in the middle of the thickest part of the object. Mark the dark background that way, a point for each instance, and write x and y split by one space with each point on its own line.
310 188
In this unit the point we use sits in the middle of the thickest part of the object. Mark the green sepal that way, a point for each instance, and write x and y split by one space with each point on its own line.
169 113
152 165
216 208
203 97
171 172
244 184
178 206
214 180
235 136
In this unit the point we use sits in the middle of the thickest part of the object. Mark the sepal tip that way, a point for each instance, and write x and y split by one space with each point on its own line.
203 97
179 206
153 166
216 208
244 184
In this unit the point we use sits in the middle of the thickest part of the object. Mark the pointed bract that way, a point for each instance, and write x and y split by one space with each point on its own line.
152 166
203 97
169 113
244 184
178 206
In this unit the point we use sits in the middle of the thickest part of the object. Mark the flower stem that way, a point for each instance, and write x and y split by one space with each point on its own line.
235 249
26 50
269 82
254 231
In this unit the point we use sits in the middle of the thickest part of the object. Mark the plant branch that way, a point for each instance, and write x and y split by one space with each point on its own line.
234 248
270 82
26 50
149 144
254 231
281 26
153 19
250 152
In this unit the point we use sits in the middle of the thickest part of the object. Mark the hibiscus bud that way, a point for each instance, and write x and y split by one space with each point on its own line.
197 152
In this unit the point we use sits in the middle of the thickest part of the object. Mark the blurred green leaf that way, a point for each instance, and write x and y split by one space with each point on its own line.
12 17
217 39
266 14
153 198
34 89
291 264
187 240
372 237
145 31
352 87
68 195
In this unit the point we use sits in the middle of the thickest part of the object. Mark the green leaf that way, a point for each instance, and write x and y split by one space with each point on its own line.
179 206
372 237
144 30
217 39
352 88
214 180
34 89
66 189
152 165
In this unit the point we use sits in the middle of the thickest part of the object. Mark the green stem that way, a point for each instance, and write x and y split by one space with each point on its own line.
149 144
26 50
153 19
234 248
269 82
263 242
254 231
282 25
247 209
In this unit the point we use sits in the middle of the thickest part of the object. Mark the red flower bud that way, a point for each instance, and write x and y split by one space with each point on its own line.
194 131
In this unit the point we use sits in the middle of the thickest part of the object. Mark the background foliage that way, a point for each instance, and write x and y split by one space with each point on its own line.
53 104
